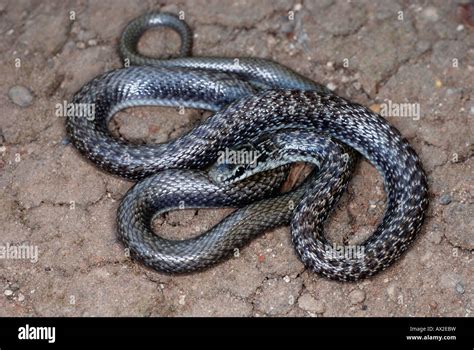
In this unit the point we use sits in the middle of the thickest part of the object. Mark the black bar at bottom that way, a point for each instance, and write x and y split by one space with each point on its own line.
410 332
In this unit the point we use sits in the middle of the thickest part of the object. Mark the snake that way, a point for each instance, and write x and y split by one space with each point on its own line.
250 98
228 184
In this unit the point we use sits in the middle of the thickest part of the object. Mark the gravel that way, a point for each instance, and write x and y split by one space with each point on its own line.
20 96
460 288
445 199
357 296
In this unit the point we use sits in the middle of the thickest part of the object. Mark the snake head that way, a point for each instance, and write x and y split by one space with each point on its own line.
235 164
242 161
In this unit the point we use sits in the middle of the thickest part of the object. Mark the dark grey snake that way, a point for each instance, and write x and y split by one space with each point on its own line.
252 98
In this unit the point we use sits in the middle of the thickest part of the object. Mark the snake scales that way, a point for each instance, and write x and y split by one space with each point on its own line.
249 98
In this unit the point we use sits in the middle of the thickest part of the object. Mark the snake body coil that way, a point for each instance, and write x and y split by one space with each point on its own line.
248 100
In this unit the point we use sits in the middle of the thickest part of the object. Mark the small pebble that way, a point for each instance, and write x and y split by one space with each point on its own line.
435 237
450 92
21 297
14 287
92 42
459 288
392 291
357 296
271 41
331 86
445 199
20 96
80 45
375 108
431 14
8 292
286 279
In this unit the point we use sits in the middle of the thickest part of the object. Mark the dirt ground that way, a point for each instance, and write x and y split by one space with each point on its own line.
373 52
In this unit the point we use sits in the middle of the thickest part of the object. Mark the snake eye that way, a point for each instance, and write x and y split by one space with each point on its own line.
239 171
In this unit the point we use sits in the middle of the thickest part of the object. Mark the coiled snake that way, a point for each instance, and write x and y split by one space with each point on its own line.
251 97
